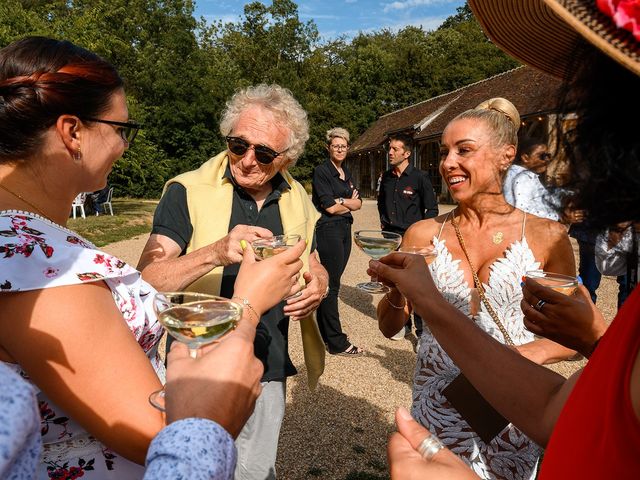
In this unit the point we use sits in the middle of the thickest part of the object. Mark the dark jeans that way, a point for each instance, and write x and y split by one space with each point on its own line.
334 247
591 276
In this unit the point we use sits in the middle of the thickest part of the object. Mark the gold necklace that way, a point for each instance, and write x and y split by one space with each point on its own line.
497 237
17 195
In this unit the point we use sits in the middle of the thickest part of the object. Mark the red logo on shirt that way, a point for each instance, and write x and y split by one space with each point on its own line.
408 191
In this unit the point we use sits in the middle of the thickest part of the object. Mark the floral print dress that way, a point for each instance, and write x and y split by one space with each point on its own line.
36 253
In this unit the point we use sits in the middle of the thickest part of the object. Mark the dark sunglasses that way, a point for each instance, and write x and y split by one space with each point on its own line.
127 130
264 154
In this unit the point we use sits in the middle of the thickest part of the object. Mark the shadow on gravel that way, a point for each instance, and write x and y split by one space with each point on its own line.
359 300
331 436
400 363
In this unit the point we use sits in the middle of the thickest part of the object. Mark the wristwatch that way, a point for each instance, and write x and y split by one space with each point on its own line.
341 201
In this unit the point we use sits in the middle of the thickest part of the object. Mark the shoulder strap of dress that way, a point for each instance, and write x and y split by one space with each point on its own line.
443 224
524 223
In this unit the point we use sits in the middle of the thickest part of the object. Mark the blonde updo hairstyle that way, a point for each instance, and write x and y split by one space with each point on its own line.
337 132
501 116
503 120
284 107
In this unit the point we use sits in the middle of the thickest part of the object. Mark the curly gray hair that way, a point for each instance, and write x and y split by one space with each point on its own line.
281 103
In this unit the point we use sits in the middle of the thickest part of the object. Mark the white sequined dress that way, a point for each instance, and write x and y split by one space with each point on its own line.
511 454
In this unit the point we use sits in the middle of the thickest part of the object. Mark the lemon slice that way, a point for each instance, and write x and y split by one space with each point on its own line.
199 331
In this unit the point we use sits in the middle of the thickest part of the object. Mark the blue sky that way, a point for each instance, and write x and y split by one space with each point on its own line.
348 17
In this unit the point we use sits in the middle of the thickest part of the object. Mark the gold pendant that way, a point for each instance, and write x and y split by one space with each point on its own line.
498 237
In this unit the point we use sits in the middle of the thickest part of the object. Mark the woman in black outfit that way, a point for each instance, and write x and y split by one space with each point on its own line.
335 197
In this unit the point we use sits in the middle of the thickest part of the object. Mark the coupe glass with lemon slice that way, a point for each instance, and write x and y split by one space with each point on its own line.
194 319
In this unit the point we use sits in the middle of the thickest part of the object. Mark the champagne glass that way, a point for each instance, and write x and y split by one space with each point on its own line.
195 319
427 251
264 248
376 244
565 284
270 246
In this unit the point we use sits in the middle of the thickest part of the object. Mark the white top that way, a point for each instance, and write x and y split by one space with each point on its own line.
36 253
510 455
523 189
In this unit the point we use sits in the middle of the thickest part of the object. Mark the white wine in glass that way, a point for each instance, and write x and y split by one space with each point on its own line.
565 284
427 251
376 244
194 319
264 248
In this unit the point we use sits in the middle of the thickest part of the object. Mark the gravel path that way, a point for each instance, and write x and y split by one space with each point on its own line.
340 431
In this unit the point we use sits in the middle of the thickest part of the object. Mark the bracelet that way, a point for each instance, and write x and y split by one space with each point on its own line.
394 306
245 304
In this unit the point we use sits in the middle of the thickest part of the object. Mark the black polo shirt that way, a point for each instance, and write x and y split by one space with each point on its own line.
327 186
404 200
171 219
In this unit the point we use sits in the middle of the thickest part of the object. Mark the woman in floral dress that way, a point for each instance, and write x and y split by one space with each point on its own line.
75 321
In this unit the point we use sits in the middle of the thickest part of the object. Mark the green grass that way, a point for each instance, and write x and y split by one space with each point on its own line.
131 217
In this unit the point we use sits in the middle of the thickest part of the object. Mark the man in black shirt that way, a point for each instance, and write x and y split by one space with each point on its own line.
207 214
406 196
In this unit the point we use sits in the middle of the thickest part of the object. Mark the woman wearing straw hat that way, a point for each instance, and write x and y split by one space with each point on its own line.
589 423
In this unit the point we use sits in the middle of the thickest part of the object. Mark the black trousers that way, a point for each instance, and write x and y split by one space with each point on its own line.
334 247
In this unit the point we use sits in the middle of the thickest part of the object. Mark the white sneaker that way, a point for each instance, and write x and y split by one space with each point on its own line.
399 335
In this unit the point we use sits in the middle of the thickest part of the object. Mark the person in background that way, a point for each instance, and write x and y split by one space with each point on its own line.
484 248
335 197
67 306
589 423
586 236
405 196
523 185
98 198
253 196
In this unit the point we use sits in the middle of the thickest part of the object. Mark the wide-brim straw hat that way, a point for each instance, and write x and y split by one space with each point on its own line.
550 34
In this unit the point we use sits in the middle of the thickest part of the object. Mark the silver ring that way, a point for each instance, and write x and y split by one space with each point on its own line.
429 447
538 306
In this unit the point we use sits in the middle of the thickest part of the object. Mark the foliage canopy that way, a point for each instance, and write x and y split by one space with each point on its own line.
180 71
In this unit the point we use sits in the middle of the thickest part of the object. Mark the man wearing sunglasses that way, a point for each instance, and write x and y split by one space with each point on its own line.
523 184
242 194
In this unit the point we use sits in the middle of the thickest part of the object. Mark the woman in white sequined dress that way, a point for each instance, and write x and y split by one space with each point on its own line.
502 244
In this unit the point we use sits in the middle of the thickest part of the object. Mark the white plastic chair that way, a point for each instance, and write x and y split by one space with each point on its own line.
106 203
78 202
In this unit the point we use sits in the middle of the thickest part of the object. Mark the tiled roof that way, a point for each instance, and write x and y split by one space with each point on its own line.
531 91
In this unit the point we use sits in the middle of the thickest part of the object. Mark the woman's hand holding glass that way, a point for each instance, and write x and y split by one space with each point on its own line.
570 320
222 384
265 283
195 319
408 273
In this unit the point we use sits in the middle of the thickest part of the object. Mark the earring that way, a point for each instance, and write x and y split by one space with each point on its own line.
78 155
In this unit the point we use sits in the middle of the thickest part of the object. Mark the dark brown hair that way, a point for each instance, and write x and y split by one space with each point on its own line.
41 79
406 140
